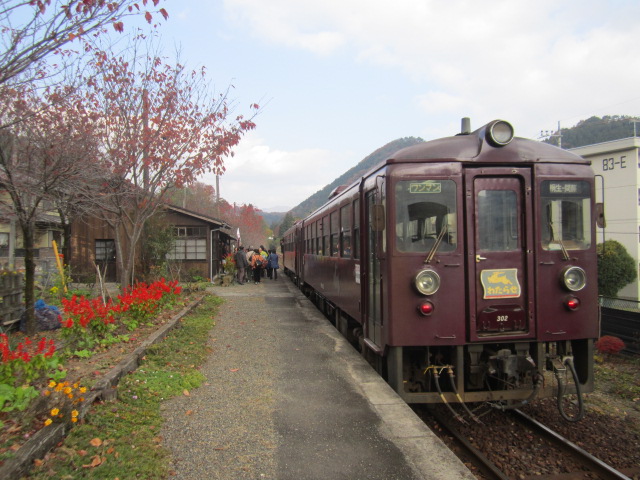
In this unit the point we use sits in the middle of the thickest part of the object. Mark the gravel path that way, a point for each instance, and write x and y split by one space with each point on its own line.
287 398
225 429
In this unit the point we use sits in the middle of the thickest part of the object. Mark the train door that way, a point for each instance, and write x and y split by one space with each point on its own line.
499 212
373 289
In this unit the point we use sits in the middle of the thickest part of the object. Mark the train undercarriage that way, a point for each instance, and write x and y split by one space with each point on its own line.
507 375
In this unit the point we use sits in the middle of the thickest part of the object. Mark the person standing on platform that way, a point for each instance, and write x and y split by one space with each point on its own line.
273 264
241 264
258 263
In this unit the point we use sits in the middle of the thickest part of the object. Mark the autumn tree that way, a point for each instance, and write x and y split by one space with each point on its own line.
32 30
198 197
253 228
162 128
44 153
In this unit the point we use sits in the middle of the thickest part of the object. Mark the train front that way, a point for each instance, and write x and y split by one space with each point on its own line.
490 268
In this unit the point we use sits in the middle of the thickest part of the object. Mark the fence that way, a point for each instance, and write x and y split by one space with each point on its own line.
11 289
621 318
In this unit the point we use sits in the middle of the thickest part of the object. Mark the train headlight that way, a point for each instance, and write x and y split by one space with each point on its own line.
427 282
499 133
574 278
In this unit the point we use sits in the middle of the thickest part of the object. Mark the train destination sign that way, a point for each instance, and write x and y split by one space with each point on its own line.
502 283
428 186
564 188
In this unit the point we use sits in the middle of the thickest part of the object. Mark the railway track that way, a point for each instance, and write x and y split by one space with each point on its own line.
542 454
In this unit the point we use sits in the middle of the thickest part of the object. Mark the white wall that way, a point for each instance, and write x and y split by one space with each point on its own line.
618 163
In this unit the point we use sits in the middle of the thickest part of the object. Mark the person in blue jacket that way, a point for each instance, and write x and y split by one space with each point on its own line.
272 265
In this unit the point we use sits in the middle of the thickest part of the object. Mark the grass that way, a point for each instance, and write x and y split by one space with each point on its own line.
620 377
121 439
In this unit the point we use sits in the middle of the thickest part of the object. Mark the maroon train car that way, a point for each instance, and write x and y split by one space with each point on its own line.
465 268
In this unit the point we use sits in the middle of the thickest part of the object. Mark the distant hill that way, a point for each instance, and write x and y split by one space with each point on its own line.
586 132
597 130
320 197
272 218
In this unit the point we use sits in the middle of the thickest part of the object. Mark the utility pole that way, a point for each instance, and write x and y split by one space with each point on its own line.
551 134
217 196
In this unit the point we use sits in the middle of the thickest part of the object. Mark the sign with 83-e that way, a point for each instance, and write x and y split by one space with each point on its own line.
613 163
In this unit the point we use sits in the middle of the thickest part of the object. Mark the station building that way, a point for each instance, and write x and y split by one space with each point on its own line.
617 165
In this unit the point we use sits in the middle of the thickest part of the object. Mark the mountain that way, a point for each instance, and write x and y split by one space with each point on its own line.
321 196
272 218
277 209
586 132
597 130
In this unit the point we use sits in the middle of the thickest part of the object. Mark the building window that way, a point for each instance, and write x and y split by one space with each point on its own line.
200 232
105 250
190 243
4 239
189 249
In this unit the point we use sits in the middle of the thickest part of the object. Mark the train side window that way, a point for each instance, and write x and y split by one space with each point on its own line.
566 215
356 229
345 231
335 230
425 209
325 235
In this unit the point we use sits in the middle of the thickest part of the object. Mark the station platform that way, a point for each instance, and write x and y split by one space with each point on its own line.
287 397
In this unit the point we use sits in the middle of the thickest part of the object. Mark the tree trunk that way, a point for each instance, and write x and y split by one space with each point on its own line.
29 278
123 272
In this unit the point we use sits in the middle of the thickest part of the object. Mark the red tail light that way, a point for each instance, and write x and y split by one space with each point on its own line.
572 303
426 308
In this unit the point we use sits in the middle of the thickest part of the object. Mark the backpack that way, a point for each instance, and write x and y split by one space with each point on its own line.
259 261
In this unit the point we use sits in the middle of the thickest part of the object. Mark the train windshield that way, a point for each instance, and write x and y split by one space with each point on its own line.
566 215
424 208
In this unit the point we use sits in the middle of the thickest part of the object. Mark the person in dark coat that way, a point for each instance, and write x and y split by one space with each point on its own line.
241 264
272 264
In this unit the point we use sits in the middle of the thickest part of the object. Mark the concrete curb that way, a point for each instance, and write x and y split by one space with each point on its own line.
48 437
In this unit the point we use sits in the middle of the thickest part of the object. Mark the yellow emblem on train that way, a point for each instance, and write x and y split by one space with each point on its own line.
500 283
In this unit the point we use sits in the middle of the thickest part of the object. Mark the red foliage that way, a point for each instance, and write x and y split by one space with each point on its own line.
609 345
142 298
25 351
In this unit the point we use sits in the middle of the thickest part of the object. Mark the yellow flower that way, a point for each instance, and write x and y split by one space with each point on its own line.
68 390
52 384
55 411
54 290
47 393
48 422
74 419
83 389
74 413
75 385
59 387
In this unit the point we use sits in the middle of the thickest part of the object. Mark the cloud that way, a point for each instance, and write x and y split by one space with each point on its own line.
534 62
265 176
297 25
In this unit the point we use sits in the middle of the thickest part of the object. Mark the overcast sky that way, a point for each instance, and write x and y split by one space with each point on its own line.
338 79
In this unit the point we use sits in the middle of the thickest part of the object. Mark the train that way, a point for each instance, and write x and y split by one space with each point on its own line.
463 268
